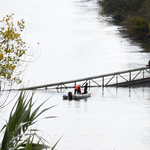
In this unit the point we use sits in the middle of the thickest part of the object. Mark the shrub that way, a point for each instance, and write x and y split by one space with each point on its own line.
138 26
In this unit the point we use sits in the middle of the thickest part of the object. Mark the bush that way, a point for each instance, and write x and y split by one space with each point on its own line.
138 26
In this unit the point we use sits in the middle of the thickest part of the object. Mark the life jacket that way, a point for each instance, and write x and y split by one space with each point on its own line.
77 87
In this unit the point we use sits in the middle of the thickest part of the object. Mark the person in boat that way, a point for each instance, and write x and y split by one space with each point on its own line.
85 88
77 89
149 63
70 95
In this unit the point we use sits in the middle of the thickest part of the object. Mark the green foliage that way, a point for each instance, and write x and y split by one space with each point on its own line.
121 7
145 10
138 26
12 47
134 14
18 135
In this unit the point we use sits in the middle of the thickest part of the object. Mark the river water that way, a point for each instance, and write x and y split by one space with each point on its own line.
76 41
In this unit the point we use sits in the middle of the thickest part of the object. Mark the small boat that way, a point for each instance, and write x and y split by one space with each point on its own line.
71 96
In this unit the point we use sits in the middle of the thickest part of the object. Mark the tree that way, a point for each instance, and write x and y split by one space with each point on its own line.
138 27
145 10
120 9
12 48
132 14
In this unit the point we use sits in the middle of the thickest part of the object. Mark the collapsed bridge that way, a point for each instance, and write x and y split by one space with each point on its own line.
116 79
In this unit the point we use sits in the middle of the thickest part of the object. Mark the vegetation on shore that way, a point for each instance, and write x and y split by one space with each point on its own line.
134 15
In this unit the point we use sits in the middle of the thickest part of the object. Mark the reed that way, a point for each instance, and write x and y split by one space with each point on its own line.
18 134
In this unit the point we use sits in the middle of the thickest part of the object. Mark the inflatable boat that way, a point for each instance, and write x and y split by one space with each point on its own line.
71 96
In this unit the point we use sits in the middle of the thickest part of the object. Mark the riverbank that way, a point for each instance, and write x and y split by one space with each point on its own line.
133 16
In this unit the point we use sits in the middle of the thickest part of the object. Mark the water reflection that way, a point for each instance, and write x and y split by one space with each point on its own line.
106 92
111 118
138 92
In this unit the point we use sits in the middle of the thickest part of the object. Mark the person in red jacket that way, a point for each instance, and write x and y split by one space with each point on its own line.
77 89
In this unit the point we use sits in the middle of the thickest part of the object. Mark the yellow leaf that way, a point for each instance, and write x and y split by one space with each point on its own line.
1 56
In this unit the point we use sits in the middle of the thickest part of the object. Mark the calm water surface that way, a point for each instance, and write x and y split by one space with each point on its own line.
76 41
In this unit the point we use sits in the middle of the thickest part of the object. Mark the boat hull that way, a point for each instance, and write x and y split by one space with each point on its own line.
77 96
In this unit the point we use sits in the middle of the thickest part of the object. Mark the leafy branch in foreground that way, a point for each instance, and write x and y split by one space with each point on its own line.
18 135
12 47
15 53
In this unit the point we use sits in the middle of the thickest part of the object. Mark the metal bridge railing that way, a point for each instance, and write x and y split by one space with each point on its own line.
111 79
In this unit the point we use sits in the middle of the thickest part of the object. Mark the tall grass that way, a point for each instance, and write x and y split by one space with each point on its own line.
18 134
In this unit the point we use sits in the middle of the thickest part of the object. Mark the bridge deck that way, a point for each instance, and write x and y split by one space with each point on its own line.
122 78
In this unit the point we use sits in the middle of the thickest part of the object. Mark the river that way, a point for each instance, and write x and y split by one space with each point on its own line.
76 41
